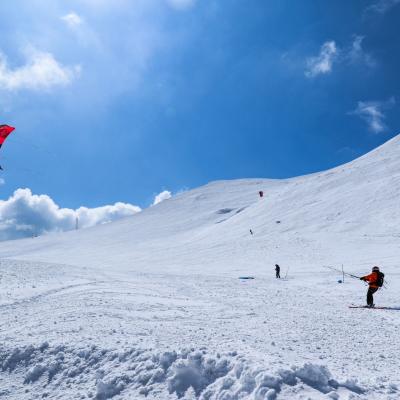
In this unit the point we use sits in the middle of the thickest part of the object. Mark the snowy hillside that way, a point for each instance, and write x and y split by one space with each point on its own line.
151 305
353 204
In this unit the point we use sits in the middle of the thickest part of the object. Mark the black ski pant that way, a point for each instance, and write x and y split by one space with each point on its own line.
370 295
278 274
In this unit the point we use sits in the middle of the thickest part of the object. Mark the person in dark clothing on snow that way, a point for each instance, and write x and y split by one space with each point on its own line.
375 281
278 271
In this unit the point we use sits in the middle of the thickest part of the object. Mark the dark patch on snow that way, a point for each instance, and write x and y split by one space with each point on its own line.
225 210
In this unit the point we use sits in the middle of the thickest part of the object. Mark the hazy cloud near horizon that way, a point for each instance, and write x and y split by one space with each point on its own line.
26 214
165 195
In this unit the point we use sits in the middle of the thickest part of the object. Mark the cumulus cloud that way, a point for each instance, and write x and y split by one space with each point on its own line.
41 72
322 63
181 4
165 195
382 6
25 214
72 20
372 112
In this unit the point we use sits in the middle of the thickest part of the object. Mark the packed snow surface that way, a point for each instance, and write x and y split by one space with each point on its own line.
151 306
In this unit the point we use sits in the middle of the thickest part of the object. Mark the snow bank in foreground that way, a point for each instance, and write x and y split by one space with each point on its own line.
92 372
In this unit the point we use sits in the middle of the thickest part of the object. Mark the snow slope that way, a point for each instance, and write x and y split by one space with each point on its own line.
152 305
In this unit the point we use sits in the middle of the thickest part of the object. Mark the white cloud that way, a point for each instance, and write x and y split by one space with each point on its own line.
356 47
330 53
357 54
322 64
25 214
85 35
372 112
72 20
100 215
165 195
181 4
41 72
382 6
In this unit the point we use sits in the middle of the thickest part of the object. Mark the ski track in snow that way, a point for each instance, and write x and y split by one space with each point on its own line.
151 306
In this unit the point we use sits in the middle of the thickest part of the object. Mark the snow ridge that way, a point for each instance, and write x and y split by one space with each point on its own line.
93 372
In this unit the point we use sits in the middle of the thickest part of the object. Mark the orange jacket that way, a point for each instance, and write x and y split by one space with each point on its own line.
372 279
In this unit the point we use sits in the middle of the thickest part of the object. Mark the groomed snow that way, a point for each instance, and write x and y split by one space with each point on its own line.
151 306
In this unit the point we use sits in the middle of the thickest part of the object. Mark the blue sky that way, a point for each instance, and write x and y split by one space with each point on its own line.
120 100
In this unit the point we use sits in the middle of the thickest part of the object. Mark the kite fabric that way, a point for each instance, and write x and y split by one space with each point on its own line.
5 130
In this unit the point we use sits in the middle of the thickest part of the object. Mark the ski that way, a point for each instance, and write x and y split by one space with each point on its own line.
377 308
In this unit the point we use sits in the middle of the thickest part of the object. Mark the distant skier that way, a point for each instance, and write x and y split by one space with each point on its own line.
375 281
278 271
251 232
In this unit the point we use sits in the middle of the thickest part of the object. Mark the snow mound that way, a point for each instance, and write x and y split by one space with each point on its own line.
102 374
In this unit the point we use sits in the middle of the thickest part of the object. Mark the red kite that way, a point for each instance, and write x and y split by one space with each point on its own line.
5 130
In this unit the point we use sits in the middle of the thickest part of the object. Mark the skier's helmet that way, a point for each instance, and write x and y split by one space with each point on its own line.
375 269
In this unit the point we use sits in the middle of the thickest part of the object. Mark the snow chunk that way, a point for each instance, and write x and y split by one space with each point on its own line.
107 390
316 376
197 372
35 373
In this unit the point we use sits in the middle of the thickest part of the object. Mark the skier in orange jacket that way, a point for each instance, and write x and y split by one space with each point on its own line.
375 281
